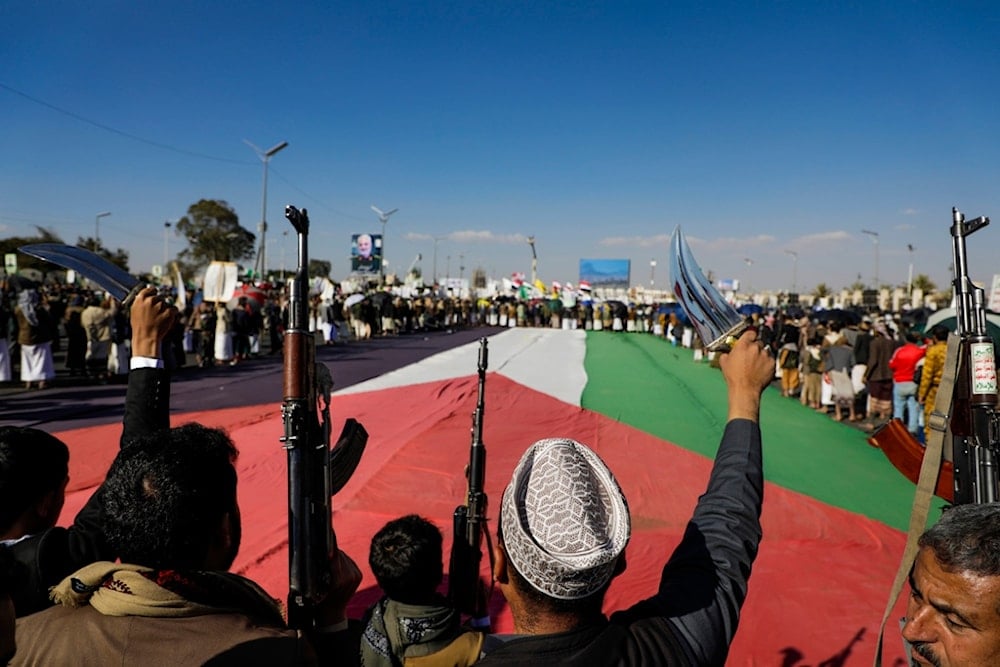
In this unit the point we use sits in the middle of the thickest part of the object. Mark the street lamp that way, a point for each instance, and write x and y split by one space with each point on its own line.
909 279
383 218
652 273
284 240
166 244
436 239
795 269
534 260
749 263
461 266
265 156
874 236
97 228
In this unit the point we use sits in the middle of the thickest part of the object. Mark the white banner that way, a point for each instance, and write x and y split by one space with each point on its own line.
220 281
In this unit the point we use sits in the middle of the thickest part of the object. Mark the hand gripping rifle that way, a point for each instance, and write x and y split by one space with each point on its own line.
315 472
470 518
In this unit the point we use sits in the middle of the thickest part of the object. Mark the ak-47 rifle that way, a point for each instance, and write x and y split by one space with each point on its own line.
470 518
973 420
315 472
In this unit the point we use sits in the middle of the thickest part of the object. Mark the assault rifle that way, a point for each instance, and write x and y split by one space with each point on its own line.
470 518
973 421
315 472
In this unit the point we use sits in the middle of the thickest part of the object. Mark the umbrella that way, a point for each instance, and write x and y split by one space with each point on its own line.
251 293
750 309
947 318
357 297
234 303
838 315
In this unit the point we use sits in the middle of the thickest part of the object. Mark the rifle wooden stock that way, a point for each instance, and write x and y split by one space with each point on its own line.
469 520
907 454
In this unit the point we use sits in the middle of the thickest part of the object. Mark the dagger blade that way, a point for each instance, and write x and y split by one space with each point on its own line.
116 281
714 319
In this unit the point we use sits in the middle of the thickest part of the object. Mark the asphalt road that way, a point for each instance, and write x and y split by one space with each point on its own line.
70 402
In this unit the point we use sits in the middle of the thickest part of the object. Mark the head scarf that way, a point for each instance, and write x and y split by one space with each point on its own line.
26 301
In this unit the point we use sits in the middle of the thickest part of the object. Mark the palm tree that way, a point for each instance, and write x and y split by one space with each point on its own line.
821 291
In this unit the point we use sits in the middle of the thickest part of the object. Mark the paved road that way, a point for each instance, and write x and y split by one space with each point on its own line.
69 403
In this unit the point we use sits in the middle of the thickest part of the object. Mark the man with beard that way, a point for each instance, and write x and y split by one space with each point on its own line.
953 616
171 513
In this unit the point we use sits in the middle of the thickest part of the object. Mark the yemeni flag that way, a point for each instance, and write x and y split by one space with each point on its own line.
834 515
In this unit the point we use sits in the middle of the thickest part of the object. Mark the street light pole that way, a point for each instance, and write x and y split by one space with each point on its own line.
795 269
652 273
383 217
166 244
534 260
909 278
874 236
749 263
260 266
97 228
436 239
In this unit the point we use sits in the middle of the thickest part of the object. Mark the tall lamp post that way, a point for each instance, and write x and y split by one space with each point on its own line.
874 236
749 263
383 218
265 156
436 239
97 227
795 269
166 244
909 278
652 273
534 260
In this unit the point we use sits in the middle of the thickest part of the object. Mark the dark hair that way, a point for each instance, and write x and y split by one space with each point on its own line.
967 539
913 336
166 494
32 464
940 332
406 559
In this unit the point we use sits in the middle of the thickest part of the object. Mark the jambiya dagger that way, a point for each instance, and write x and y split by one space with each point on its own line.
120 284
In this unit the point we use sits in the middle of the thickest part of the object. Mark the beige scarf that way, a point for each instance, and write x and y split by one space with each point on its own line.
119 589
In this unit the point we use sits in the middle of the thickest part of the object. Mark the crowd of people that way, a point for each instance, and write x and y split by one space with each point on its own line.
141 576
865 371
92 333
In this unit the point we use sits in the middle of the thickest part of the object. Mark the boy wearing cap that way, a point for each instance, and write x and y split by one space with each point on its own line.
564 525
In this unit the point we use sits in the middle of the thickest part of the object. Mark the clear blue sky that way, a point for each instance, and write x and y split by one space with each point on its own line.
596 127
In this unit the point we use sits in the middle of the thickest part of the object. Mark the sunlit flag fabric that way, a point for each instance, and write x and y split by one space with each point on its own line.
834 509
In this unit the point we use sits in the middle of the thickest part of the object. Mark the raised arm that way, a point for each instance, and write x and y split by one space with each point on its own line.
147 399
705 581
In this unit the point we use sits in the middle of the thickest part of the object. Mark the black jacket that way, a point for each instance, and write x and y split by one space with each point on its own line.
43 560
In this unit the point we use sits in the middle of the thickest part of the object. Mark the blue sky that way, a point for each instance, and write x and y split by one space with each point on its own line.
761 128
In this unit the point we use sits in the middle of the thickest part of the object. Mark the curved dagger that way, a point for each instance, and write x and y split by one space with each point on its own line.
116 281
716 321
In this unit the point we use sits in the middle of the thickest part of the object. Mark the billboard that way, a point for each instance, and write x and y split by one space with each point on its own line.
606 273
366 253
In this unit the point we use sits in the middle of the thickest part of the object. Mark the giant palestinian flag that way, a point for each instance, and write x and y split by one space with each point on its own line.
834 508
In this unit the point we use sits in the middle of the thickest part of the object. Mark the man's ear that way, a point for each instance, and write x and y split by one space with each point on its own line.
500 564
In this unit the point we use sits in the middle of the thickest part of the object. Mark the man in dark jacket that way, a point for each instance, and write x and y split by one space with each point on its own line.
46 553
564 524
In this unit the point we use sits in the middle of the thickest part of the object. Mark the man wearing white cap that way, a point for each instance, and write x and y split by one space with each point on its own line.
564 525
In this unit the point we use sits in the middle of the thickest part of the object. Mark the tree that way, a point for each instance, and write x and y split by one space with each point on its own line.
11 244
119 257
922 282
319 268
213 233
821 291
857 286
